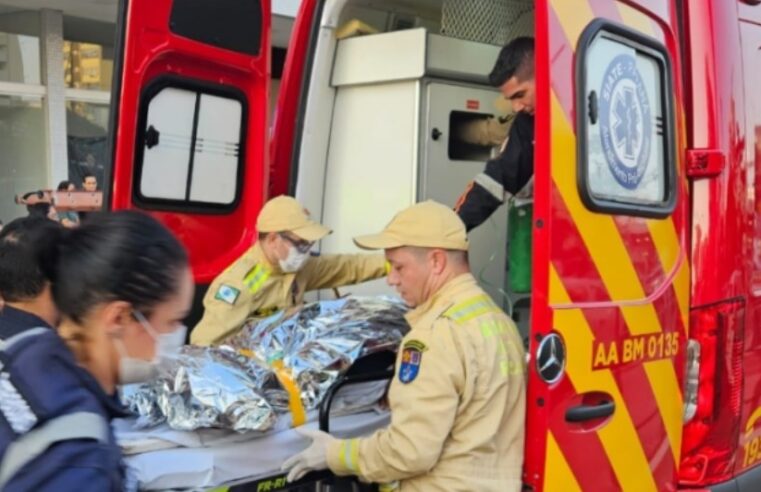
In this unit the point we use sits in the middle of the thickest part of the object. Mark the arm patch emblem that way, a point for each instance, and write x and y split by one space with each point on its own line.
412 357
227 294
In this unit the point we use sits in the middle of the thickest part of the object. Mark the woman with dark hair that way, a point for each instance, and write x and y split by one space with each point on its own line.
122 285
68 219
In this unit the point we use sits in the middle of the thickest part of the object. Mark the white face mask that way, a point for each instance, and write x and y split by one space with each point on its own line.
134 370
294 261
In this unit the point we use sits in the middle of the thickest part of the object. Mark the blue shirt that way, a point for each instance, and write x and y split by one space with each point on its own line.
45 373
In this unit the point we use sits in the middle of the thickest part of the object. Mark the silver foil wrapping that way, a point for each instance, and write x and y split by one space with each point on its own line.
204 387
233 386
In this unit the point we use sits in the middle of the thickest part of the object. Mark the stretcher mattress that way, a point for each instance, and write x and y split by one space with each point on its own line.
162 458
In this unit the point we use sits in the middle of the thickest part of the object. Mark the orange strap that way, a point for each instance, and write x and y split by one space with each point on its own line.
298 413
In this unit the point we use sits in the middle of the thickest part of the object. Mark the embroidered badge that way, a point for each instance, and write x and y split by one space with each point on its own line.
412 357
227 294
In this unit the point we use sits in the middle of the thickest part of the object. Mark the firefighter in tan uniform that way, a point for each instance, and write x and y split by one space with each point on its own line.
457 399
276 271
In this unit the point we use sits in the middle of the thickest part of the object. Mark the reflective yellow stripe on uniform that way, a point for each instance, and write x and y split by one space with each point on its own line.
388 487
349 454
471 308
256 278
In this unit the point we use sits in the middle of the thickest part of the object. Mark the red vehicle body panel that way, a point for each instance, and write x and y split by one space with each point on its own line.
150 49
602 279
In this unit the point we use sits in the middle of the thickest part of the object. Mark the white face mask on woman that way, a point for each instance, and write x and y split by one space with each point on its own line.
294 261
133 370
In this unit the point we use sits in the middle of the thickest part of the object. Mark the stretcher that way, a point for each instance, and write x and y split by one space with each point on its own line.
161 459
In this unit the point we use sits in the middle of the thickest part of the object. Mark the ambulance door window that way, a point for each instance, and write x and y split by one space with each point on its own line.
189 149
627 159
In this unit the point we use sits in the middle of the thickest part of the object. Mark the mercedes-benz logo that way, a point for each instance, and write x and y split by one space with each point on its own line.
550 358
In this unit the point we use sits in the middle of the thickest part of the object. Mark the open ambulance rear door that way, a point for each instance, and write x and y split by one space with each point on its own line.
189 121
611 276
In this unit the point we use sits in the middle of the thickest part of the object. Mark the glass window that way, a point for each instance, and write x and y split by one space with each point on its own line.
627 142
87 66
19 58
86 135
190 148
23 162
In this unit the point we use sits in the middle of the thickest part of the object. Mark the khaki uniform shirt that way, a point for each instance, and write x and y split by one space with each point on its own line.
252 287
457 402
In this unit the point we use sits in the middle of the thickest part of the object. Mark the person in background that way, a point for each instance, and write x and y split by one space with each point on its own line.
25 285
68 219
276 271
122 285
511 173
458 398
89 182
38 205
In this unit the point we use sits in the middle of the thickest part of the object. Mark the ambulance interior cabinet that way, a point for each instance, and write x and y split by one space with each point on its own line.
393 141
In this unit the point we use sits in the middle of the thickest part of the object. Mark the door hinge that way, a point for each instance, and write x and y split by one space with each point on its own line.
705 163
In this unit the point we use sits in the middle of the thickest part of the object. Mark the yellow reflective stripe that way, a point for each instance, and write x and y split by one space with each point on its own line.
635 19
342 454
574 17
298 413
562 477
354 455
349 455
256 278
258 285
472 308
251 274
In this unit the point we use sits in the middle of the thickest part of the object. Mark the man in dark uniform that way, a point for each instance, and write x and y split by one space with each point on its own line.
512 171
24 285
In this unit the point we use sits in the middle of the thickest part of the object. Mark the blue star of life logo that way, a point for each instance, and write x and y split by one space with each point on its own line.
625 128
625 121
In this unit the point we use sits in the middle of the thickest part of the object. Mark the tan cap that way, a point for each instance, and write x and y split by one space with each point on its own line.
426 225
284 213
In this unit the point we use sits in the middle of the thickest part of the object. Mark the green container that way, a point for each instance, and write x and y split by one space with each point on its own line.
519 221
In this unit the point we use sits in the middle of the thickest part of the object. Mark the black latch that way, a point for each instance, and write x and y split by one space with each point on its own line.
151 137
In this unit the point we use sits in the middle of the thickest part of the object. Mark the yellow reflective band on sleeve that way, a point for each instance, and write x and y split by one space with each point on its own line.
256 278
298 413
349 455
472 308
388 487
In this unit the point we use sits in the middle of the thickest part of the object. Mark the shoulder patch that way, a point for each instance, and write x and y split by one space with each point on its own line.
412 357
227 293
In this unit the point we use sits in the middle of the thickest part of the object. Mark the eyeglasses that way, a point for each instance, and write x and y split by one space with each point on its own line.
301 245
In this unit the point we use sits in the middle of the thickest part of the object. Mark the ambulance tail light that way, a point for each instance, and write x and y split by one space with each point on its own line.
710 437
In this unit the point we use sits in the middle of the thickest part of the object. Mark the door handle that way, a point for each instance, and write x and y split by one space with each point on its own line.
590 412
